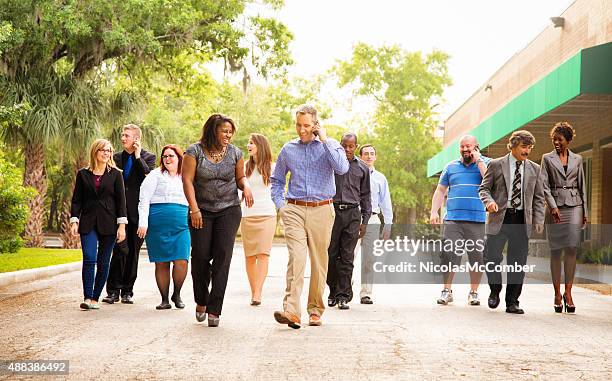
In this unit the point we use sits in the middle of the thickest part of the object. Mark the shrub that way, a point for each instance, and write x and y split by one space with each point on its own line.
14 199
600 255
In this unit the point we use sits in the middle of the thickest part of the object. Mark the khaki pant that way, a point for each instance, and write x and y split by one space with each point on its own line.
367 258
307 232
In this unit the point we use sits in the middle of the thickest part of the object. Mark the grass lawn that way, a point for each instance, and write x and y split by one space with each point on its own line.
29 258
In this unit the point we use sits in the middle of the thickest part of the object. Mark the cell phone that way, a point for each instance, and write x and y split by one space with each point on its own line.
316 133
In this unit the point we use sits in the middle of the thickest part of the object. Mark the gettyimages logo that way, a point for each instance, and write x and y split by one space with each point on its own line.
413 246
422 254
410 247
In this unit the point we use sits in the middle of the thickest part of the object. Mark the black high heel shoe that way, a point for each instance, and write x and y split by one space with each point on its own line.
570 309
558 307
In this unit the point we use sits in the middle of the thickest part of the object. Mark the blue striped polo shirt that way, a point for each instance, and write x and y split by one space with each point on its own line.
463 203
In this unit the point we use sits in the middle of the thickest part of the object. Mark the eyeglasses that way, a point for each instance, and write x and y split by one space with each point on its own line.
168 156
107 150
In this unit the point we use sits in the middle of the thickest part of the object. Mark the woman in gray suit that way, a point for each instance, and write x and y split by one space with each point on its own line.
565 193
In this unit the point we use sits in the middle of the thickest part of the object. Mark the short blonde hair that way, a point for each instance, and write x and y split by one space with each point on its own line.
133 127
97 145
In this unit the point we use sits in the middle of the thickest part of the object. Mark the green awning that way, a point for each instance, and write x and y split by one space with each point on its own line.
587 72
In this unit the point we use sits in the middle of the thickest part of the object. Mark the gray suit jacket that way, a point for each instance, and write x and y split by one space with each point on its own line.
494 187
554 178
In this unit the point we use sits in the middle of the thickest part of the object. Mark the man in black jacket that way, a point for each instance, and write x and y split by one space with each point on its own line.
136 163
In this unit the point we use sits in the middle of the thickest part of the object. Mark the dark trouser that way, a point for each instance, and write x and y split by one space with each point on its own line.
124 267
513 232
214 242
341 253
97 250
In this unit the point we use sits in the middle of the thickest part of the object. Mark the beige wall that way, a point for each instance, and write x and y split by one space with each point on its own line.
587 23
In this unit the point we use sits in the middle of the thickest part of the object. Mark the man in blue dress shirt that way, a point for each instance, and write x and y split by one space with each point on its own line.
307 211
465 217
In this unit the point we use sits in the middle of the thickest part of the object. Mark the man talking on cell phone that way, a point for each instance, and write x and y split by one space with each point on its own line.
136 163
306 209
465 215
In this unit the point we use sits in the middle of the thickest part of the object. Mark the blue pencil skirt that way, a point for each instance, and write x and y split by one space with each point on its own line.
168 236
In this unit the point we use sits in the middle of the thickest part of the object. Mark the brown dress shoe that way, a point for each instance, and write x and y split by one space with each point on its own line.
315 320
288 318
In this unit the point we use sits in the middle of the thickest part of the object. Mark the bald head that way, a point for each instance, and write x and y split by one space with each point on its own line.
468 139
467 145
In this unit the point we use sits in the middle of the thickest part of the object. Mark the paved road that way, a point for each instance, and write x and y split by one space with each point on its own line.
403 336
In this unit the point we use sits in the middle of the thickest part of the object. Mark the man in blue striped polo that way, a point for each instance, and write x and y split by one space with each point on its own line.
464 223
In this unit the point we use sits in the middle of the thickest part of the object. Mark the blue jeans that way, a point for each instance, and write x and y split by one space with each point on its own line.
97 249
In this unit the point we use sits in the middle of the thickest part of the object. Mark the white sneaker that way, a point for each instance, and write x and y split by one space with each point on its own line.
473 299
446 297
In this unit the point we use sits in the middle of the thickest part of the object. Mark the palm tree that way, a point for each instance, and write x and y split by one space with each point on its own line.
40 126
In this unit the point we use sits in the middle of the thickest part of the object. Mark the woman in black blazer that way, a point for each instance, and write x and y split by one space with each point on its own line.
99 215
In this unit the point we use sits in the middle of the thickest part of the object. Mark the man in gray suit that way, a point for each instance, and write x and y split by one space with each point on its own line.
512 192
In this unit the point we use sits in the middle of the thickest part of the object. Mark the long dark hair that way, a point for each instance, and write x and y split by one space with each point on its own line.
264 158
209 138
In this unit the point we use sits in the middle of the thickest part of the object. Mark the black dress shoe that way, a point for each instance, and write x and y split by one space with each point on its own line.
366 300
127 299
343 304
493 300
111 298
178 302
514 309
331 302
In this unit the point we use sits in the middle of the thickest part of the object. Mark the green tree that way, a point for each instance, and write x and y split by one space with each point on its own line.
49 49
405 86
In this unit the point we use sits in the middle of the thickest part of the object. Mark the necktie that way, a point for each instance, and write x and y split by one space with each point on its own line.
515 201
127 168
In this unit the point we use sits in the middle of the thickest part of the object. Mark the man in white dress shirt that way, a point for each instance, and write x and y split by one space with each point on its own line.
381 206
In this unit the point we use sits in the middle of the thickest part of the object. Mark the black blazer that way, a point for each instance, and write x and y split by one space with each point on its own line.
140 168
98 209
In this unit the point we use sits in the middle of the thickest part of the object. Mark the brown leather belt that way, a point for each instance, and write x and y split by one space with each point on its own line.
310 203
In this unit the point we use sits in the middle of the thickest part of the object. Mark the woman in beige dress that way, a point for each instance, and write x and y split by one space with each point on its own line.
565 193
259 221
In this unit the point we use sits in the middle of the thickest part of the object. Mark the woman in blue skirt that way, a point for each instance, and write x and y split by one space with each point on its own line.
163 221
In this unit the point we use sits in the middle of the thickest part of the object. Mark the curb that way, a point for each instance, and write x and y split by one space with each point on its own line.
589 284
7 279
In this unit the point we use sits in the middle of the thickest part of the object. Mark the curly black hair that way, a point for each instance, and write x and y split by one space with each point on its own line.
564 129
209 138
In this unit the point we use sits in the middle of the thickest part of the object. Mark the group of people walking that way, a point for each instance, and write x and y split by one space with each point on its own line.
191 206
193 203
519 196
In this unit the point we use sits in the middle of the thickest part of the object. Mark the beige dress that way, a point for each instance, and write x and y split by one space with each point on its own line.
259 221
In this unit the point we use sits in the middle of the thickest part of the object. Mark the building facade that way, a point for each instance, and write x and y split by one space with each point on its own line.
564 74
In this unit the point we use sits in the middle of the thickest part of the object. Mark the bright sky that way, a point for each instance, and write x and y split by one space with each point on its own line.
479 35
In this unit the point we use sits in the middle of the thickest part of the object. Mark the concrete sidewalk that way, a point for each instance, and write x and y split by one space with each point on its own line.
403 336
